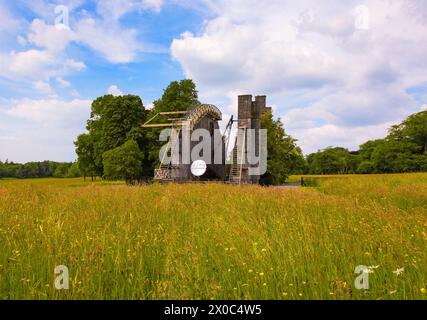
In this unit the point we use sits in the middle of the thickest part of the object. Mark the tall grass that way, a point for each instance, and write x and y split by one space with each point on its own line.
214 241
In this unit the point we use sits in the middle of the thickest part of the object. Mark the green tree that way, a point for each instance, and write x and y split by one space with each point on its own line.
403 150
61 170
124 162
112 119
394 156
283 155
413 130
74 171
333 161
2 170
366 167
116 120
366 149
86 155
178 96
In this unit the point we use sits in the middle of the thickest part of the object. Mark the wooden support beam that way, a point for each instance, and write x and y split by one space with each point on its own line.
147 122
159 125
173 112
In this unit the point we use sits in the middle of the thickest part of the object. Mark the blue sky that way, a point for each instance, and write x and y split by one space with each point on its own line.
337 73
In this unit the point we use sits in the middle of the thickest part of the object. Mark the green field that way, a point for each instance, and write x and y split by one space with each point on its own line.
214 241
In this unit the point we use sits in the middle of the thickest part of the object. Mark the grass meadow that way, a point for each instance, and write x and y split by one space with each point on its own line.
214 241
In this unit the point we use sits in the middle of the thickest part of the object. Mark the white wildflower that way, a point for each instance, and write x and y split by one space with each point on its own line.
398 271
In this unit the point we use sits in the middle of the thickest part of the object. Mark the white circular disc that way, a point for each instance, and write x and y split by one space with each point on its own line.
198 168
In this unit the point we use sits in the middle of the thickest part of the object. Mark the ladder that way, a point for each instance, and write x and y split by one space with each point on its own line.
238 157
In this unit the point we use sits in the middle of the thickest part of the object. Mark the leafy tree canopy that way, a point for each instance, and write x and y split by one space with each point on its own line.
403 150
178 96
124 162
113 121
283 154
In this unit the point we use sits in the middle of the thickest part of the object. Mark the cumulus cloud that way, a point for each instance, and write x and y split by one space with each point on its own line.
36 64
115 9
102 33
62 82
108 38
116 44
155 5
46 60
7 21
49 37
333 135
21 40
325 65
43 87
114 90
31 63
37 130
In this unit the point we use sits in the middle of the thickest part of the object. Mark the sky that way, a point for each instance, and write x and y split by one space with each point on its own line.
337 73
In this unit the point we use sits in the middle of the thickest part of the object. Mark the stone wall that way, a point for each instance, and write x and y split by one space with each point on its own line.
249 115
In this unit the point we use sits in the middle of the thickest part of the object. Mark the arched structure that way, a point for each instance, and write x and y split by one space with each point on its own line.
201 116
206 116
200 111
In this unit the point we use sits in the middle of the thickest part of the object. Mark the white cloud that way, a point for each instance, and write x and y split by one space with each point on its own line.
115 9
62 82
43 87
332 135
116 44
107 36
103 34
114 90
7 21
36 64
36 130
45 9
51 112
49 37
74 65
350 107
21 40
313 62
152 4
31 63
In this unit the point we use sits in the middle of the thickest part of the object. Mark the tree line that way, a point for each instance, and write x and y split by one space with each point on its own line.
403 150
44 169
116 147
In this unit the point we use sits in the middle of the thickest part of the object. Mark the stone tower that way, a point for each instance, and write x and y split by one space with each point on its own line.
249 117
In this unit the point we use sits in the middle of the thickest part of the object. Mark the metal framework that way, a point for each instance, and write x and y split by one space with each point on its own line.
189 117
